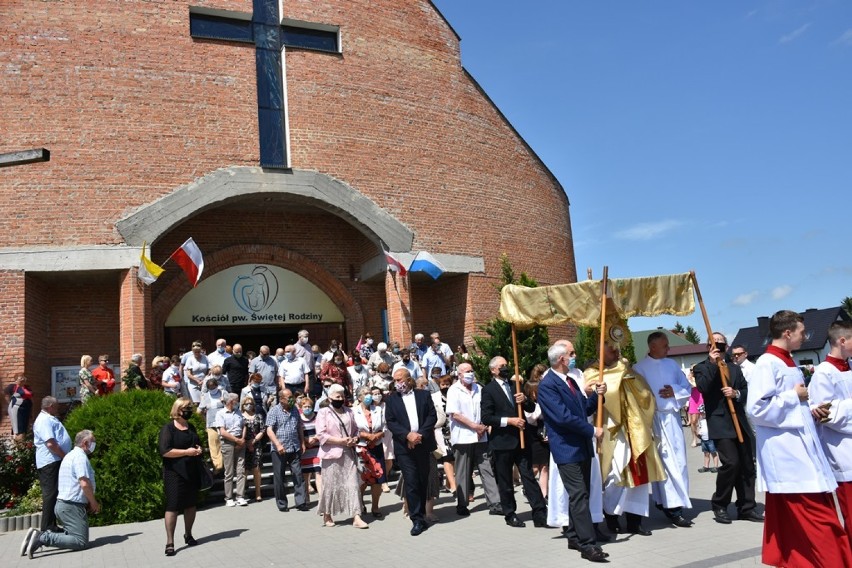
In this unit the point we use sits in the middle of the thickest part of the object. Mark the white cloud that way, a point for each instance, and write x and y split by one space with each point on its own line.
746 299
798 32
781 291
845 38
647 231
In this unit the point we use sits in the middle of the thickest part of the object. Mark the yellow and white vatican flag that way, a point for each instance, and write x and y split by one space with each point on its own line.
148 270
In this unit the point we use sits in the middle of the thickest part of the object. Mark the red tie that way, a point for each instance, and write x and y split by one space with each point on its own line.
570 382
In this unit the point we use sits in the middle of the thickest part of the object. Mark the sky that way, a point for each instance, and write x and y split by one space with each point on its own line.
706 136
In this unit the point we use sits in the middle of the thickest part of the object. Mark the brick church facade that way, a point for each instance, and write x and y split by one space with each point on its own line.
153 132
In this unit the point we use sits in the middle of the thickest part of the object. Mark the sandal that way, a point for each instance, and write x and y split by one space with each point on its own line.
187 538
170 549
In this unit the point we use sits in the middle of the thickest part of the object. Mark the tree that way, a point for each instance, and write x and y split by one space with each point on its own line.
691 335
678 328
846 304
497 338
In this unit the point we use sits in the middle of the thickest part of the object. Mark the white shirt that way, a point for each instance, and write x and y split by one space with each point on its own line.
661 372
411 410
413 368
468 403
217 358
196 368
293 372
830 384
746 367
358 378
789 456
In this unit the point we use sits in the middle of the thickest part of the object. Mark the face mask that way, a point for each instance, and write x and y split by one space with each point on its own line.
572 363
359 367
368 400
248 408
444 390
255 386
213 391
377 398
186 413
91 448
279 358
504 373
238 355
396 351
369 342
401 388
468 378
338 361
220 349
303 340
307 411
290 356
338 403
406 360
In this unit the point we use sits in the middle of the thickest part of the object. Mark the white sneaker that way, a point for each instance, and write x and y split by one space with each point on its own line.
230 503
26 541
241 502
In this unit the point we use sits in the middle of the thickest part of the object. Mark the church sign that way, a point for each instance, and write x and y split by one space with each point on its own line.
254 294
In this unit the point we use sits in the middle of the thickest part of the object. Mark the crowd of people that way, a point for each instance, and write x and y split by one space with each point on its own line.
587 447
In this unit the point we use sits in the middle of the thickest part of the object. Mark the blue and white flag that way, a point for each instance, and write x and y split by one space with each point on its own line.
425 262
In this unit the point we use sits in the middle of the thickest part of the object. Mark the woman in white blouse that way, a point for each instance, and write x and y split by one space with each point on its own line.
370 419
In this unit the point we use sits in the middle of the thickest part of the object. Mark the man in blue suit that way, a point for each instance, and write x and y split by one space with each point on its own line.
411 417
565 411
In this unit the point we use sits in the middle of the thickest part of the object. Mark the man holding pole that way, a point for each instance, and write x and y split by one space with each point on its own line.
499 400
672 390
565 411
737 471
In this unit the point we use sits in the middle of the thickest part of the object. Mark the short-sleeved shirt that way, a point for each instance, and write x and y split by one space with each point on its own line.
75 465
293 372
286 425
47 427
267 367
467 403
431 360
197 368
212 402
231 421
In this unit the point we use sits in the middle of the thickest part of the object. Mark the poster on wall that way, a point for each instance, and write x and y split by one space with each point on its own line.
65 382
254 294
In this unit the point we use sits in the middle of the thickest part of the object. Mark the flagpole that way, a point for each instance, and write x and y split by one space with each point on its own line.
517 379
601 365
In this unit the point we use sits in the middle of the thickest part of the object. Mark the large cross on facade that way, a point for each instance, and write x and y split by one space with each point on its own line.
270 35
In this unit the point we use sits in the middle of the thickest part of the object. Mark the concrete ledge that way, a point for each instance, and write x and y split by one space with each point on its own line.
454 264
153 220
69 259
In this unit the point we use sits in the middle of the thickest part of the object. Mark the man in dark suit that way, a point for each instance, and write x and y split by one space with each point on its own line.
411 417
498 411
565 410
737 471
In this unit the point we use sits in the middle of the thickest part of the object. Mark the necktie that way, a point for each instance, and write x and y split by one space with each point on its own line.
570 382
508 391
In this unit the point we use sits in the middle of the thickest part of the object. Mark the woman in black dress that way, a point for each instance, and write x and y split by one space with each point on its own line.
180 448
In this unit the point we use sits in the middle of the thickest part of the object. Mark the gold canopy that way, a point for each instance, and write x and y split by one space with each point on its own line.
580 303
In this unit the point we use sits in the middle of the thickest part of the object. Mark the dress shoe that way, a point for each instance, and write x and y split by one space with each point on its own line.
750 516
495 511
514 521
462 511
679 521
573 544
418 528
303 507
638 530
540 523
594 554
721 516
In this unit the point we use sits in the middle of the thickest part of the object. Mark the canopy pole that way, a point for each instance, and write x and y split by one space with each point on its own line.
601 365
517 379
723 366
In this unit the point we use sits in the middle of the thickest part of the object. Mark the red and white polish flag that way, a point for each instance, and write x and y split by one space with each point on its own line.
394 264
189 258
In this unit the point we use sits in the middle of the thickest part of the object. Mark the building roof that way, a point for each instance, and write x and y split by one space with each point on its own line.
640 341
817 321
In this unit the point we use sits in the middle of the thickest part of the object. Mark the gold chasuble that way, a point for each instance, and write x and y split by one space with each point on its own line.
629 407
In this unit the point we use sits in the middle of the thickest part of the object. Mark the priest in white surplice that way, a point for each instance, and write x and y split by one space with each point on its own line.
672 390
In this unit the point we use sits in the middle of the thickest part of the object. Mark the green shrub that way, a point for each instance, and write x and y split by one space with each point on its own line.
17 470
127 463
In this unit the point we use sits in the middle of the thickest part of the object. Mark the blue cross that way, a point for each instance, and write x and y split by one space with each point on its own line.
264 28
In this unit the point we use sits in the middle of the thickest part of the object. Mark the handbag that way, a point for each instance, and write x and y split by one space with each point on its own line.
205 476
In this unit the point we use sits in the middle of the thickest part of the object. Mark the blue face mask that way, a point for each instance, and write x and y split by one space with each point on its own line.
220 349
572 363
368 400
